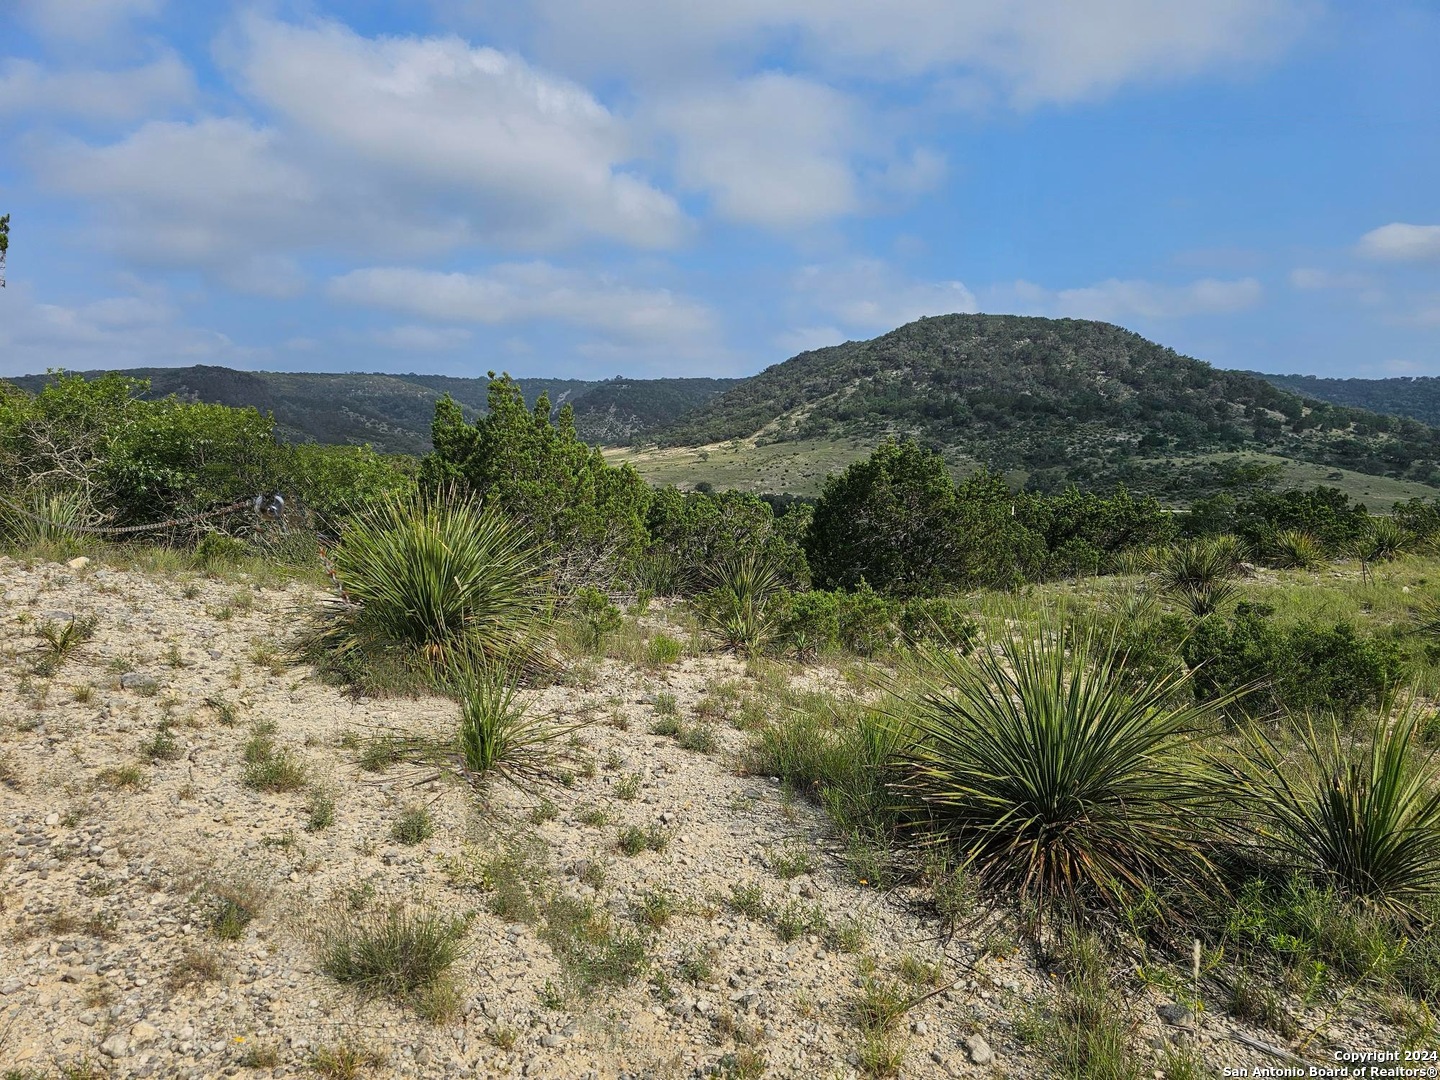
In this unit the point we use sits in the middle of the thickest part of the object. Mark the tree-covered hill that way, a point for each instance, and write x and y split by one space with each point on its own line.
1412 396
1061 399
393 412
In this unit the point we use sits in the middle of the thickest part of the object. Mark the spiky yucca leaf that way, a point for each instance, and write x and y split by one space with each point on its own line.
498 734
439 573
1362 817
1296 550
1196 574
739 608
1383 540
1050 778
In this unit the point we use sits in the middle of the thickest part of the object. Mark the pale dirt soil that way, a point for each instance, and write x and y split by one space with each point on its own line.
96 990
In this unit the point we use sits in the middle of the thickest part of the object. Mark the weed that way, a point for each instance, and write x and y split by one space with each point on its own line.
655 908
634 839
792 860
125 778
195 968
345 1062
399 952
412 826
269 767
320 810
543 811
628 786
698 737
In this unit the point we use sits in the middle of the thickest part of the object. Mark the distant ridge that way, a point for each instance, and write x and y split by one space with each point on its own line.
1415 396
1058 399
393 412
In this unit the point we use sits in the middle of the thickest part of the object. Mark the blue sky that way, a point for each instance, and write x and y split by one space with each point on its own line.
650 187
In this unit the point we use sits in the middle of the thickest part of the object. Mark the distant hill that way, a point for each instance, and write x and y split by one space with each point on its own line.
1417 397
1056 399
393 412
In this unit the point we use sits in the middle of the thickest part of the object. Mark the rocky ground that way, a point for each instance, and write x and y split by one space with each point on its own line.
117 846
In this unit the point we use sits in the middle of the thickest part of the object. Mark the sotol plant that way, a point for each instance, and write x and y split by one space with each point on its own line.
740 606
441 575
497 734
1362 817
1055 777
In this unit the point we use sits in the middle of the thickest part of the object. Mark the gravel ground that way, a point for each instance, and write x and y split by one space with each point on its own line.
104 909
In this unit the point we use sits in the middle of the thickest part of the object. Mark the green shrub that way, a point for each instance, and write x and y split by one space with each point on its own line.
219 549
595 617
938 620
534 467
1051 778
1303 668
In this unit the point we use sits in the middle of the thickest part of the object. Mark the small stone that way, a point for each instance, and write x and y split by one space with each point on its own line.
978 1050
1174 1014
115 1046
52 819
142 1033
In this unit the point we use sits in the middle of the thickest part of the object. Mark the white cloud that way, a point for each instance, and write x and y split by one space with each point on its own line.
1309 279
773 150
1113 299
1399 242
218 194
523 154
1032 51
392 147
525 292
85 21
28 87
869 294
421 338
112 332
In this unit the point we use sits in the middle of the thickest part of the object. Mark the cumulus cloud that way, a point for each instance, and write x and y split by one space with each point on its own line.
1399 242
1115 299
773 150
525 153
28 87
390 147
111 332
1031 51
869 294
527 292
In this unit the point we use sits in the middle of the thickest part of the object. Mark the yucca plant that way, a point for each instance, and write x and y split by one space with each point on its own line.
1361 817
740 607
437 573
1196 574
1054 776
41 517
1296 550
1383 540
498 735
